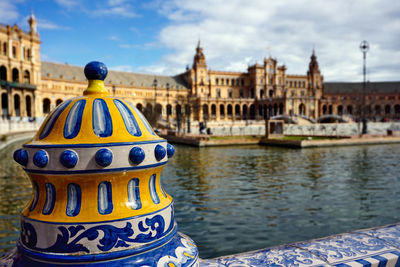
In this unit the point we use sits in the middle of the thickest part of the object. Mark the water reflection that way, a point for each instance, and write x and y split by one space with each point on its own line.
235 199
15 191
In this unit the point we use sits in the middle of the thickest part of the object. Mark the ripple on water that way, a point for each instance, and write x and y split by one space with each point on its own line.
235 199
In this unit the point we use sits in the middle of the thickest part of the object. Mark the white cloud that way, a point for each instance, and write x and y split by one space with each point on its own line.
114 38
68 3
234 32
116 11
48 25
145 46
116 8
126 68
8 11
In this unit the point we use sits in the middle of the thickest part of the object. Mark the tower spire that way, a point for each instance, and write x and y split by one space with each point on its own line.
32 23
199 58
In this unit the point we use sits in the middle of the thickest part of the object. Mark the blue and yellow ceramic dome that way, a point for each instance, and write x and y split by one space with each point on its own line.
95 167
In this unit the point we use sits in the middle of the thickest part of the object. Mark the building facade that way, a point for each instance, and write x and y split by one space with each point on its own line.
31 88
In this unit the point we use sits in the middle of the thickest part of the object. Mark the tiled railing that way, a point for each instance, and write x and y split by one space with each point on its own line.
370 247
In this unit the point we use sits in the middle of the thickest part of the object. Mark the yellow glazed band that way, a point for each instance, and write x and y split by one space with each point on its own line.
89 211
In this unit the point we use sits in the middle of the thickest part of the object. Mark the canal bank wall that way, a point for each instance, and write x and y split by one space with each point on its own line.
208 141
253 127
7 139
354 141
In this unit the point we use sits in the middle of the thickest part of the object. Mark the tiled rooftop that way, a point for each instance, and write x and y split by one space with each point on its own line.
68 72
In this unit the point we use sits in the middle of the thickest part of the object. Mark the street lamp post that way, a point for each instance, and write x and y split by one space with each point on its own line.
364 47
155 95
188 115
168 109
153 112
178 116
266 118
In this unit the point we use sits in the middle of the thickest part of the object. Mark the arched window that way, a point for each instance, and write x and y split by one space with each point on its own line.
260 112
15 75
27 77
139 107
58 102
271 93
229 110
17 105
158 109
387 109
280 108
46 106
28 103
213 110
330 109
4 104
397 109
244 112
302 109
340 110
324 109
205 112
252 112
275 109
377 110
3 73
221 110
5 48
350 110
237 111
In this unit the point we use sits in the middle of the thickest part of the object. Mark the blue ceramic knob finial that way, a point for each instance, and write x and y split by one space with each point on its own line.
96 70
170 150
41 158
159 152
21 156
137 155
69 158
103 157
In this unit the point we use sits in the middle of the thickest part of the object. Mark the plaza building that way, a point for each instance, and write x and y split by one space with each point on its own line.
31 88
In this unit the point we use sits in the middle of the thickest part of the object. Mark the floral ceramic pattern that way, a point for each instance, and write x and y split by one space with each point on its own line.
279 256
343 247
371 247
390 234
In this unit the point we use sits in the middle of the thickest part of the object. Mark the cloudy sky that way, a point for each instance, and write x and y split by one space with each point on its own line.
160 36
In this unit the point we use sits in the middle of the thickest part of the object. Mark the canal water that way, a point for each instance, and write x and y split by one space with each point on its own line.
236 199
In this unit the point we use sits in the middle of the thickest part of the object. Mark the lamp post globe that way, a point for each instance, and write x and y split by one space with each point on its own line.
364 46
